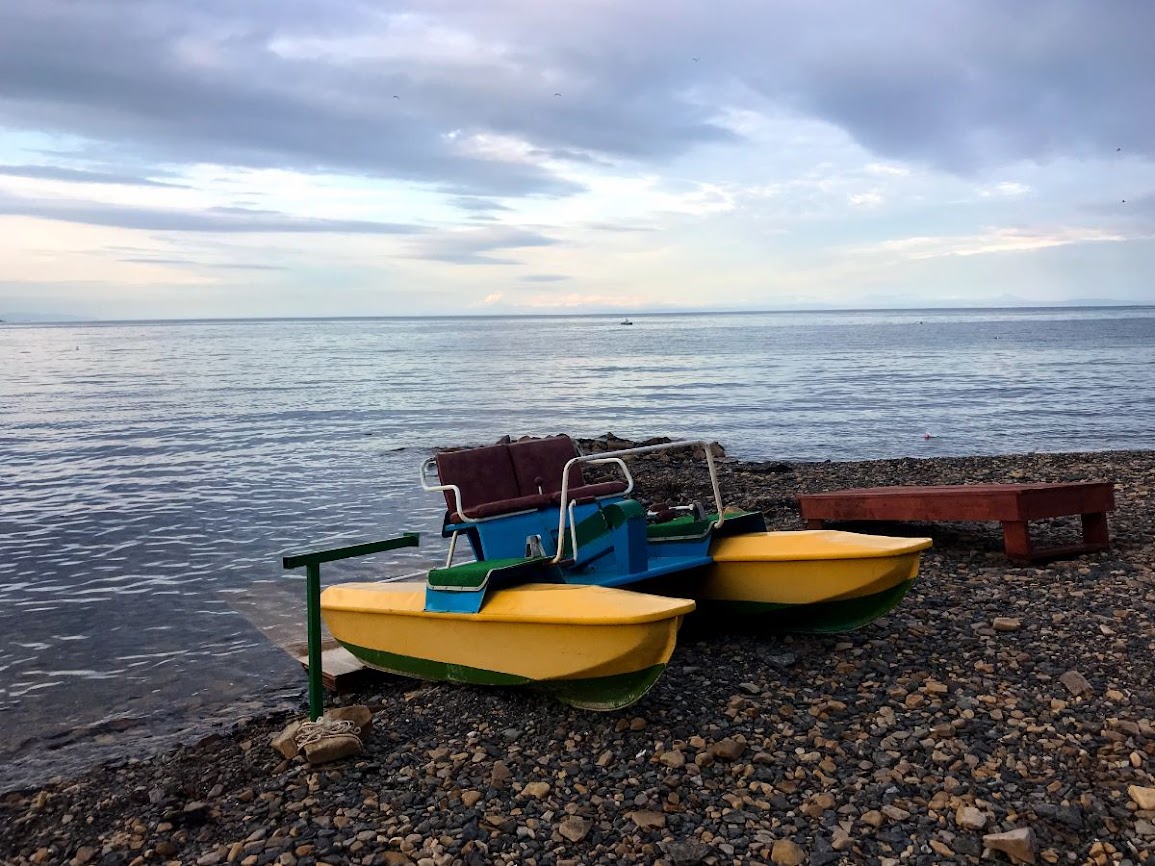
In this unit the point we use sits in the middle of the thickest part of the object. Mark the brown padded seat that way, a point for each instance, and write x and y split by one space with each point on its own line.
486 480
520 476
540 463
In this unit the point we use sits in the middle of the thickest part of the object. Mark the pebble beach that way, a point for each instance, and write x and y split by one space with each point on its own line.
1001 702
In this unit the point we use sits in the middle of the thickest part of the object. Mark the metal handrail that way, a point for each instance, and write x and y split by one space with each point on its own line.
615 457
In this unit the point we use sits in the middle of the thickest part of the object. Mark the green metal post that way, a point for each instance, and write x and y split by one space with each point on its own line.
313 595
312 563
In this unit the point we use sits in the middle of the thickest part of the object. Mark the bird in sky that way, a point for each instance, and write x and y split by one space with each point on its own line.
695 59
557 94
1118 149
395 96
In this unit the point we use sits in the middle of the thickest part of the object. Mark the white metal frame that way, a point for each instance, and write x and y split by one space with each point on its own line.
567 507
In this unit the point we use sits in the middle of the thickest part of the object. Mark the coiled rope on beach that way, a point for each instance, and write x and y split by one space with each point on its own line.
324 728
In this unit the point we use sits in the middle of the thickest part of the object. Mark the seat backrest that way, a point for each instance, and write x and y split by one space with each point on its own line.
538 464
483 475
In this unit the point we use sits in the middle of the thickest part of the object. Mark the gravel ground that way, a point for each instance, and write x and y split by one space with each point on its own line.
904 742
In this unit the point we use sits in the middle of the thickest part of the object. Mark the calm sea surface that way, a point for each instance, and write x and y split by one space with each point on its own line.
152 473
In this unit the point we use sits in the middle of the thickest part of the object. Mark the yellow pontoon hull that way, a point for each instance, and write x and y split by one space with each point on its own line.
593 647
812 580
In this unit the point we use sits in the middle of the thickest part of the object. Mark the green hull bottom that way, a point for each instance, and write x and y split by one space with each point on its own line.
829 617
595 693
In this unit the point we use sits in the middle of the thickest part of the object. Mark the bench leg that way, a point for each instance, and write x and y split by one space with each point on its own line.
1016 539
815 524
1095 532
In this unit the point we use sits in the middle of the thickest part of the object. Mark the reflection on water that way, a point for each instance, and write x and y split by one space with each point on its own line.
152 474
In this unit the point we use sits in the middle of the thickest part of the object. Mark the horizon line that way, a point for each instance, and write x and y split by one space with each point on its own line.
66 319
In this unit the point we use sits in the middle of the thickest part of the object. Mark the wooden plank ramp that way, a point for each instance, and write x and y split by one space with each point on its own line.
341 671
279 614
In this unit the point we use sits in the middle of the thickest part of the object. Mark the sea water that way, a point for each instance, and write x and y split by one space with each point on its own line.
152 474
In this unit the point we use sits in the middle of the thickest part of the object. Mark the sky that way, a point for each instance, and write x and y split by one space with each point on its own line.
170 159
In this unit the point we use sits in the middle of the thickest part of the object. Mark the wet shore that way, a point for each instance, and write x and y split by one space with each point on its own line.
905 742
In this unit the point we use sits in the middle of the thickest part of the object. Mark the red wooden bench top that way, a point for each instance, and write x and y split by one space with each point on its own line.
1011 504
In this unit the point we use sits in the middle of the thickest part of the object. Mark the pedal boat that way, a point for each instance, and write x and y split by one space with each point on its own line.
576 590
591 647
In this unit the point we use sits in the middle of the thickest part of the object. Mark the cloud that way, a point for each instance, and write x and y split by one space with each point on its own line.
544 278
472 246
990 241
74 175
219 219
301 85
192 263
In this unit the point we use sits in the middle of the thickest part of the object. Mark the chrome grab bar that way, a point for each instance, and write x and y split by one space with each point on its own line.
615 457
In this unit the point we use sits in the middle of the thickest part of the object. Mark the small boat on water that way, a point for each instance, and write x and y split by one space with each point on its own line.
626 321
576 589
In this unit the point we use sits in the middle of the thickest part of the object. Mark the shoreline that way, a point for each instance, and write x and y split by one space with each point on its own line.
891 742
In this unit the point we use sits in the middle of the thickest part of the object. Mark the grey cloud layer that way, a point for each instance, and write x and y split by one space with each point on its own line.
959 84
223 219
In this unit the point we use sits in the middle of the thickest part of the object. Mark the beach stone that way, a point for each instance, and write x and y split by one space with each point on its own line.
941 848
500 773
970 818
787 852
873 817
895 813
646 819
1007 623
537 790
1076 683
285 742
83 855
1018 844
1144 797
818 805
727 749
574 828
672 759
688 853
841 840
469 798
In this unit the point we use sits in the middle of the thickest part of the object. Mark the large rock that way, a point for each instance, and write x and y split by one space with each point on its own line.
537 790
286 741
688 853
970 818
727 749
332 747
1018 844
787 852
1076 683
574 828
1144 797
646 819
673 759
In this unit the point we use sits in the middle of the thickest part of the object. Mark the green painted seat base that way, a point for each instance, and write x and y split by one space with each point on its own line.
687 527
476 575
601 694
831 617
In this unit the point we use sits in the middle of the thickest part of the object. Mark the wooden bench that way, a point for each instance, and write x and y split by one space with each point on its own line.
1011 504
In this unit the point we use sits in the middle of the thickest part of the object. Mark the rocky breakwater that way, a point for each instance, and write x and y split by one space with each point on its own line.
1001 710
